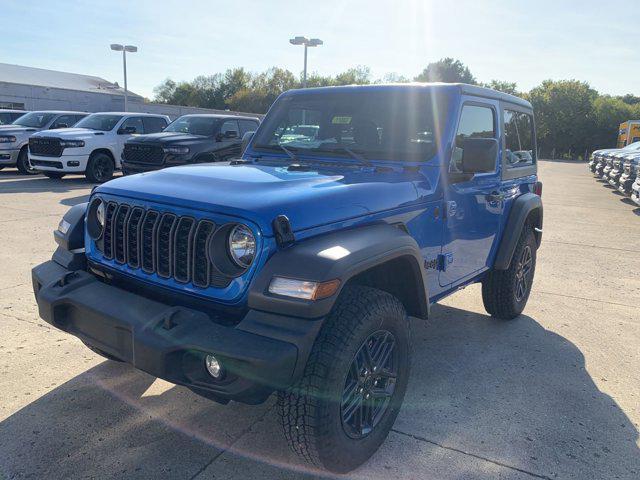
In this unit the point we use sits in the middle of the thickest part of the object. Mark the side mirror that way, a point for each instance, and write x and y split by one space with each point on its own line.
479 155
246 138
127 131
231 134
59 125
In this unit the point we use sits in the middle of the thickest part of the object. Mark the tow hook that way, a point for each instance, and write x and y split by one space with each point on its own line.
64 280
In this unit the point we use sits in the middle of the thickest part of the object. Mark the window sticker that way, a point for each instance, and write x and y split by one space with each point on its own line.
341 120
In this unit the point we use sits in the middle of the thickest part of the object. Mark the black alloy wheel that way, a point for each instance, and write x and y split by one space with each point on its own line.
369 385
523 272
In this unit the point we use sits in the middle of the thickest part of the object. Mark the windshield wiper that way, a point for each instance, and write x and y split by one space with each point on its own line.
286 150
355 155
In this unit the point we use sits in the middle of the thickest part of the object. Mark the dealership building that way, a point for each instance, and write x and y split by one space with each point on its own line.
28 88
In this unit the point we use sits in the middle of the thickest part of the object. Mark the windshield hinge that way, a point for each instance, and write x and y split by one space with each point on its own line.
283 231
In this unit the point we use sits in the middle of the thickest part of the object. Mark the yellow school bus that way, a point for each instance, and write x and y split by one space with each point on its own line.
629 132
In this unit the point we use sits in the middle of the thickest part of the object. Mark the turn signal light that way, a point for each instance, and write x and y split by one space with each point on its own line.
303 289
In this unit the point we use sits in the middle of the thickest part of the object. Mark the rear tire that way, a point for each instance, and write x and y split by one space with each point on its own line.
100 168
505 292
54 175
24 167
341 410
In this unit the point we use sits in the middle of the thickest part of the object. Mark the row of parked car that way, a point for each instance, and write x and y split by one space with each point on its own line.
57 143
619 167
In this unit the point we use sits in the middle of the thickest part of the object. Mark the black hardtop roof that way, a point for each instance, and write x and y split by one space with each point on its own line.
461 88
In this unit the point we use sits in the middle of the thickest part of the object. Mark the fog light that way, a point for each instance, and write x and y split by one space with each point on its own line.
73 164
213 366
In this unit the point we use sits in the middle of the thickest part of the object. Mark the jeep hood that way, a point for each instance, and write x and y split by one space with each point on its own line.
260 193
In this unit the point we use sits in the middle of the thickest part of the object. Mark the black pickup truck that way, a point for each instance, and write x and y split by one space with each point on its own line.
189 139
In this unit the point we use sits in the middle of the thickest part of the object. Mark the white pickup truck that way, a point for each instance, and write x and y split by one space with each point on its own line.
92 147
14 137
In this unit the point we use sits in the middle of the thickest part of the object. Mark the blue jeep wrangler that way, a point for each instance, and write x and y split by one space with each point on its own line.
294 269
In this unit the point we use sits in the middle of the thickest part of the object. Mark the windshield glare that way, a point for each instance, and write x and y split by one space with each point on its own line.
101 122
388 125
34 119
204 126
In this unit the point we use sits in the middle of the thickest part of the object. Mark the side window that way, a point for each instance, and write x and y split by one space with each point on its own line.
247 126
154 124
518 134
64 121
475 122
228 127
78 118
133 123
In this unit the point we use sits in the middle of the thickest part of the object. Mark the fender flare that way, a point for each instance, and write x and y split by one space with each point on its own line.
337 255
522 207
70 251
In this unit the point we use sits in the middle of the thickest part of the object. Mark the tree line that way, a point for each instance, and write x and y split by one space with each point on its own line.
572 118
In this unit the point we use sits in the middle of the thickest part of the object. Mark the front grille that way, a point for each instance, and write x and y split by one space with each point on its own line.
45 147
147 154
168 245
45 163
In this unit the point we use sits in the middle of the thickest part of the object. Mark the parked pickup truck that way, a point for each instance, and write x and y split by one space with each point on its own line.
617 167
599 158
189 139
93 147
14 137
629 173
294 269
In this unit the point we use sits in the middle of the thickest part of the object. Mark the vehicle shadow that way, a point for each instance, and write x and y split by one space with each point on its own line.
511 394
12 182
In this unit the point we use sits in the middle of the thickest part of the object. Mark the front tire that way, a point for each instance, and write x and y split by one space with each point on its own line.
354 382
505 292
100 168
24 167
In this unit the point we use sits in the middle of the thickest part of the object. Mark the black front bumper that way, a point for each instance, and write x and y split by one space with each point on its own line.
260 354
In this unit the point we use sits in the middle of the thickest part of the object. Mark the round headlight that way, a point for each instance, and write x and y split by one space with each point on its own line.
242 246
100 214
95 218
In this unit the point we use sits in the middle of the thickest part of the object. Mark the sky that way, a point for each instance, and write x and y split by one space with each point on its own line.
522 41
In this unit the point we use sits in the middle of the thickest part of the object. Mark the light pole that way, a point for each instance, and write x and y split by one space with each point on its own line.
124 49
314 42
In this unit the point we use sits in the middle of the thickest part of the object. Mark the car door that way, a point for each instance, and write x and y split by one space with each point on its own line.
473 203
129 128
228 140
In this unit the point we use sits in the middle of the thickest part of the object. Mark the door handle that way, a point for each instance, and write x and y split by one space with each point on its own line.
494 197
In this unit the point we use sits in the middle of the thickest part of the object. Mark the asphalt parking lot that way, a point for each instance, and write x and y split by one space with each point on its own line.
554 394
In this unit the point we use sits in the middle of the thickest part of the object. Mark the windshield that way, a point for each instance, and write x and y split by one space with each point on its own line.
35 119
100 121
385 125
204 126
